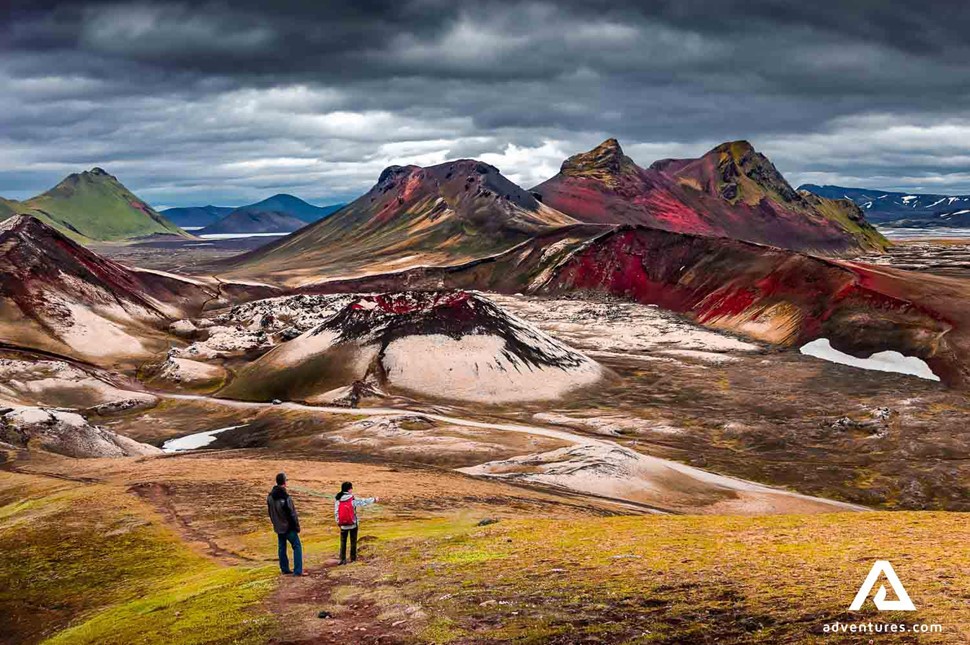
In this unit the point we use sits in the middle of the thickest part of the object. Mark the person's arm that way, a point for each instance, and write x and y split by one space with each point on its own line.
367 501
336 510
293 515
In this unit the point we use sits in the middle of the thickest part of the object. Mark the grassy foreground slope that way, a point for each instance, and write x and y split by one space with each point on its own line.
682 579
164 550
90 564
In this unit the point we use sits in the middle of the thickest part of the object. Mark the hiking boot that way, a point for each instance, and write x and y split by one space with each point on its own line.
342 562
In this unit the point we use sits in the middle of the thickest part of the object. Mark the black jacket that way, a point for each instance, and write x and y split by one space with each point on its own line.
282 512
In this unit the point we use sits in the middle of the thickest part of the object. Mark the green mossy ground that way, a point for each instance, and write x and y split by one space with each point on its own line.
91 564
676 579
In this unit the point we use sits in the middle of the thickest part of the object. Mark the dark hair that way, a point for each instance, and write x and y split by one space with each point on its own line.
346 486
281 479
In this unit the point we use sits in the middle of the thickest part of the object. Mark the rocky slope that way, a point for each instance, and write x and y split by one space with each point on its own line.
447 345
732 191
66 433
59 296
95 206
413 216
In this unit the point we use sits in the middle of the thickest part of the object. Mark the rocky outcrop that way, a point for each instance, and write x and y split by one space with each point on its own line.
66 433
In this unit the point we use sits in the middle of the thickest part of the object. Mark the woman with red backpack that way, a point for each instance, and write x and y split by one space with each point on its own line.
345 507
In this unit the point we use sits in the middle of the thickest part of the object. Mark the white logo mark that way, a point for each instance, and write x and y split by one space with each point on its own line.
902 603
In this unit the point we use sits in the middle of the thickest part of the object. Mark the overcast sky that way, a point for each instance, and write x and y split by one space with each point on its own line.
194 103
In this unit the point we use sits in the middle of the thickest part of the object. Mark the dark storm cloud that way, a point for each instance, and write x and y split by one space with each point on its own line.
224 101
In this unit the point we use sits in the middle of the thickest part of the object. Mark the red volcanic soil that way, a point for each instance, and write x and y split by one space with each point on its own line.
732 191
35 258
406 303
764 292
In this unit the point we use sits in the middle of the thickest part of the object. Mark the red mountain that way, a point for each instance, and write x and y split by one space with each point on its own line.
732 191
443 214
59 296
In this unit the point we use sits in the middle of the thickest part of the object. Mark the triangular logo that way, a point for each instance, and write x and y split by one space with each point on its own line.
902 603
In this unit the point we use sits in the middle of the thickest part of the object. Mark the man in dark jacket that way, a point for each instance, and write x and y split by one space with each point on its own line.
286 523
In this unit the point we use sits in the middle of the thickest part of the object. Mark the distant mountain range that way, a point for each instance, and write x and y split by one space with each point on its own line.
465 210
905 210
196 216
246 221
280 213
93 206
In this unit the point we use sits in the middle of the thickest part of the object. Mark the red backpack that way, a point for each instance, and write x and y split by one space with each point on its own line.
345 511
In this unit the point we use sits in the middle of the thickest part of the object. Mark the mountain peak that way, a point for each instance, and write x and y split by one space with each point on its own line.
18 223
604 162
95 174
736 149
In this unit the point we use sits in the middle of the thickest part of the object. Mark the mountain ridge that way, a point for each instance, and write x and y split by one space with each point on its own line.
730 191
59 295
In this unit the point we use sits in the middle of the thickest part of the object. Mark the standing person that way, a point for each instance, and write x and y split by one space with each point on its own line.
286 523
345 507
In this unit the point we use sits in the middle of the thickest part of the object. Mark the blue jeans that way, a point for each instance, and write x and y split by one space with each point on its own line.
293 538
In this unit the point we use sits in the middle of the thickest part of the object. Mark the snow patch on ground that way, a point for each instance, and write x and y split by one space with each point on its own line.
610 470
195 441
888 361
186 371
258 325
421 436
42 382
610 425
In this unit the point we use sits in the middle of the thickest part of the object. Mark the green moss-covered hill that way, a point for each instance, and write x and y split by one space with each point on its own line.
94 206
